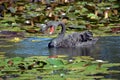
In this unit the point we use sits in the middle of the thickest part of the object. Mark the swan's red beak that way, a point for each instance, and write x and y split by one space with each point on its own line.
51 30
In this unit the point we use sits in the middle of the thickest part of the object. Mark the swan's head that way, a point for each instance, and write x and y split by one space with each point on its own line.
43 28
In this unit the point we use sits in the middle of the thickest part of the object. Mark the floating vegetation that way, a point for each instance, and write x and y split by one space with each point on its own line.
16 39
2 55
52 68
6 46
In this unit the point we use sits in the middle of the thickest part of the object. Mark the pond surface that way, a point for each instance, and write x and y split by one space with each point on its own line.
107 48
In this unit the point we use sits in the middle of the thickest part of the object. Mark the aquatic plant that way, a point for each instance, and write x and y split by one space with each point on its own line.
62 68
15 39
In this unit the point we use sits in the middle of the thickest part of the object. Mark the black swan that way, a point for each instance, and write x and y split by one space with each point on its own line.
76 39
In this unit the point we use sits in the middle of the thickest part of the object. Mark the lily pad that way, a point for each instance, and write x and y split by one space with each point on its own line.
55 62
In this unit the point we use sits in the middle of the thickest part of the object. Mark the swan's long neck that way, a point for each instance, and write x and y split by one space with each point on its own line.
60 37
63 29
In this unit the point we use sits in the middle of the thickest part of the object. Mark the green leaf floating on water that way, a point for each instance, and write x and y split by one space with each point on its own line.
55 62
17 59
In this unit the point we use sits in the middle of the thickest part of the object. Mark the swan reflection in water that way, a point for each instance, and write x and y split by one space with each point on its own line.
72 52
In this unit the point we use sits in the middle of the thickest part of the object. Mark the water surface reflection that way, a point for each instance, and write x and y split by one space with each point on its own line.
109 48
81 51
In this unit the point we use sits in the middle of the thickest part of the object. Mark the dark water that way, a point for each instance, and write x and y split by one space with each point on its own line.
107 48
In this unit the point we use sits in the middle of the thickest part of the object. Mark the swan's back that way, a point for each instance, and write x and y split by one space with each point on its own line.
78 39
